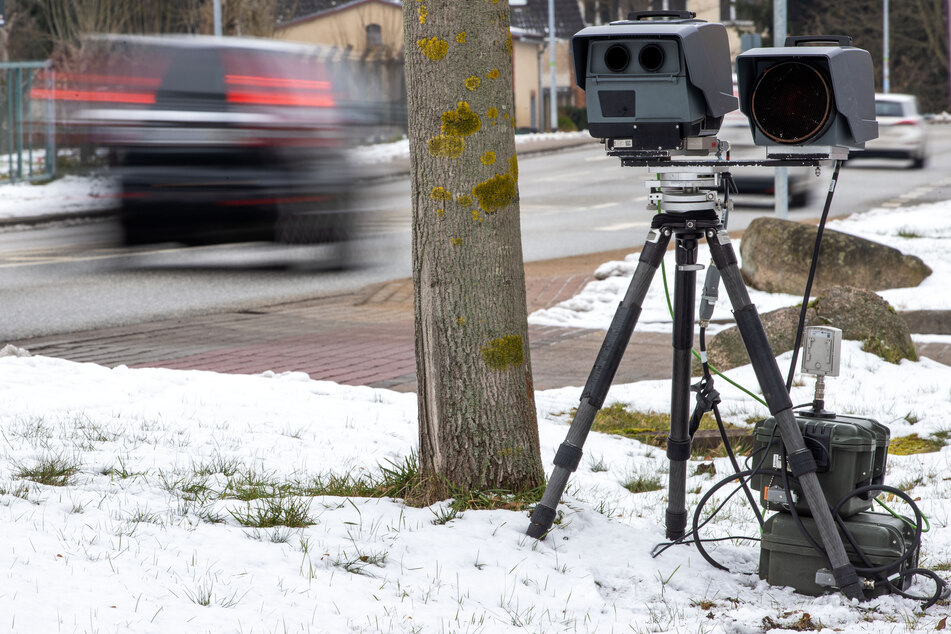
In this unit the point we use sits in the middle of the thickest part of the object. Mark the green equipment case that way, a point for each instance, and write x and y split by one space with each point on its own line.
787 559
850 452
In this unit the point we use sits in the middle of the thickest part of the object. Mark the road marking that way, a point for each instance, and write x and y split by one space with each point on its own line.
622 226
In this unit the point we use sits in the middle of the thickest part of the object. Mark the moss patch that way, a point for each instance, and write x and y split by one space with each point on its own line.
500 354
879 347
913 444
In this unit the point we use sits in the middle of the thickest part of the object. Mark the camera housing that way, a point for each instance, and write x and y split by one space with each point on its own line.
650 84
808 99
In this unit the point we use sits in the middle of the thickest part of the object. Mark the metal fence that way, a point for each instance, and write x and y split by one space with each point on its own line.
27 125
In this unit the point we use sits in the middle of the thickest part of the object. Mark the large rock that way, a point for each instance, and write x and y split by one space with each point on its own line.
777 253
861 315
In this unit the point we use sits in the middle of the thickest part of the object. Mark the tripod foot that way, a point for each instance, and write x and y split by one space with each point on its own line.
542 518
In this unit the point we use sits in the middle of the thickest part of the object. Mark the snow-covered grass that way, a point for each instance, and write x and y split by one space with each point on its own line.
170 481
154 500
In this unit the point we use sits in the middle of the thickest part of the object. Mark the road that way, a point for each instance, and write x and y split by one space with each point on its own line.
69 278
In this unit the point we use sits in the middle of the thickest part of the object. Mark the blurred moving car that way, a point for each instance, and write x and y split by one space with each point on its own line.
217 140
759 182
902 131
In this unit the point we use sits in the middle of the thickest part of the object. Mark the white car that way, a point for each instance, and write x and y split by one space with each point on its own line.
902 131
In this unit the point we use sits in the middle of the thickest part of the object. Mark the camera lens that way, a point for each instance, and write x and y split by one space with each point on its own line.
616 58
651 58
791 103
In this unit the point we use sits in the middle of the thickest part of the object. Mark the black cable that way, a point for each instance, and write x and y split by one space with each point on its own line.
812 275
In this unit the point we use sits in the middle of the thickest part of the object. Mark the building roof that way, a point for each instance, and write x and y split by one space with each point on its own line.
301 10
532 18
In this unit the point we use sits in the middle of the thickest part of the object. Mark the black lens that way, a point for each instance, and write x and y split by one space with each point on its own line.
651 58
792 103
617 57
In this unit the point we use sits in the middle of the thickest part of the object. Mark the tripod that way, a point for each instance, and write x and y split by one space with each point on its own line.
689 215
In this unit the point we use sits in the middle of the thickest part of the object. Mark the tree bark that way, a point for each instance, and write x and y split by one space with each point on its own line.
477 421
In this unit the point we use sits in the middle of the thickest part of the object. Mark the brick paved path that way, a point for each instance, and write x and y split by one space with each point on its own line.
364 338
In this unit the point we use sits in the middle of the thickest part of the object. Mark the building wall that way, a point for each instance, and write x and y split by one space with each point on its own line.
347 27
525 78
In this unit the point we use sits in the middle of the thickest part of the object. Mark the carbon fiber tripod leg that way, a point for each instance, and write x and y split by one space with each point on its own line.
678 440
801 462
599 381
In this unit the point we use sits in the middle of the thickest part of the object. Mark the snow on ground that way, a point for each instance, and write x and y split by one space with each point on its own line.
63 196
147 536
923 231
382 152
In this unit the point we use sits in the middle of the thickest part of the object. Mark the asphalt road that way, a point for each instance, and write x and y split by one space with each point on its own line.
69 278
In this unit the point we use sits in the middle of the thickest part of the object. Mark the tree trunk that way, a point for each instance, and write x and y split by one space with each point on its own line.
477 422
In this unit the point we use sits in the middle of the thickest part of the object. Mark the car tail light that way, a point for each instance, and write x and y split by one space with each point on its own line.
907 122
278 91
83 87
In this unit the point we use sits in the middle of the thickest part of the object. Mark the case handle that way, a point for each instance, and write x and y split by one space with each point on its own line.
680 15
840 40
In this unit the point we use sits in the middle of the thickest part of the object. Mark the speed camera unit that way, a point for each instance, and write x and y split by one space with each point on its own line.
650 84
804 99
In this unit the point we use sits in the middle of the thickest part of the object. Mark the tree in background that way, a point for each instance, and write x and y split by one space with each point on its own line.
37 29
918 38
477 422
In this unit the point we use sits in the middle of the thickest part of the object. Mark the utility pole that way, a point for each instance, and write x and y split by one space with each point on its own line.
217 4
781 179
885 81
553 91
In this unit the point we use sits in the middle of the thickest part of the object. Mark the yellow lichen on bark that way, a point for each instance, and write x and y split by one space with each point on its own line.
441 194
460 122
444 146
433 48
493 74
473 82
423 13
495 193
488 158
461 37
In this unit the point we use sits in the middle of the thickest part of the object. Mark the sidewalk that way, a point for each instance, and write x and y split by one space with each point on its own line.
360 338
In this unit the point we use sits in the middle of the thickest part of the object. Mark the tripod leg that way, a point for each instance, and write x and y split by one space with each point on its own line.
801 462
596 387
678 441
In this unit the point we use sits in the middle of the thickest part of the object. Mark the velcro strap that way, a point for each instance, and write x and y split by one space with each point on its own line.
848 581
568 457
678 450
801 462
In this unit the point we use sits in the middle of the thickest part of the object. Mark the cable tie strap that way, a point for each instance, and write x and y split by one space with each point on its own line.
848 581
678 450
802 462
568 457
